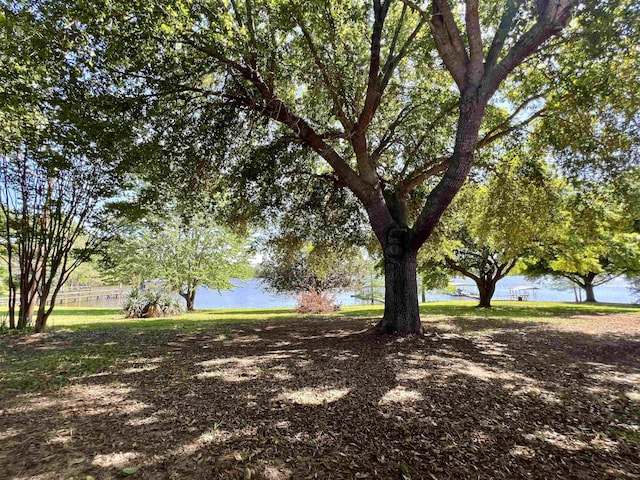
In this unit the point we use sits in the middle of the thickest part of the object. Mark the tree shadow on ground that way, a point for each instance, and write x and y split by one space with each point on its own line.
324 398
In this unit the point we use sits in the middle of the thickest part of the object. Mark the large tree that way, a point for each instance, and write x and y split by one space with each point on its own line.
391 95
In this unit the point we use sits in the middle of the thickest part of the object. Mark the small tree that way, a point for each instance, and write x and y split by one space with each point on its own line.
185 255
49 212
315 271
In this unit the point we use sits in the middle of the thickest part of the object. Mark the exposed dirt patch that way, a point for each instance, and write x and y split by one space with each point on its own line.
323 398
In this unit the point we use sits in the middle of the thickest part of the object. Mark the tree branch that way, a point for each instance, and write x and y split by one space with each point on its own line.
553 18
475 70
337 102
501 34
446 35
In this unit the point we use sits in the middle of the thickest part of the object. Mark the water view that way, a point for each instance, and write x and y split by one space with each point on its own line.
253 294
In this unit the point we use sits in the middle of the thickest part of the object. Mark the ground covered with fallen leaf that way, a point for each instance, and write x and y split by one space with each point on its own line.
305 398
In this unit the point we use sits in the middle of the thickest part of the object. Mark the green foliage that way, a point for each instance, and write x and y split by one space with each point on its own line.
591 114
497 222
184 255
150 304
319 268
599 239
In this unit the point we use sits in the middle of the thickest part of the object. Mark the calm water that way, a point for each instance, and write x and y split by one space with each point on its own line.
252 294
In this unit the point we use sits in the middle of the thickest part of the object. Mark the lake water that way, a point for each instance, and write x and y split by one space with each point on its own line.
252 294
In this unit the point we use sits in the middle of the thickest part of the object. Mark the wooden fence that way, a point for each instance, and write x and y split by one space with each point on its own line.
82 294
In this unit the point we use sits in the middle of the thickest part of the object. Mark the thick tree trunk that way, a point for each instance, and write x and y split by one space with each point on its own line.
189 297
401 312
486 287
590 295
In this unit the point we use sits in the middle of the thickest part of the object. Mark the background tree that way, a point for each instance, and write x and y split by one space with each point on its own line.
394 126
492 227
54 224
291 267
184 254
600 240
59 163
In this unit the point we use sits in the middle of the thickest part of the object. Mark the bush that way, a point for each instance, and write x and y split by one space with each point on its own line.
151 304
315 301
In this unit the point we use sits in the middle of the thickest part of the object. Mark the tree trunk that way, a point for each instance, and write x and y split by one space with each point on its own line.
590 296
401 312
189 297
26 309
43 314
41 318
486 287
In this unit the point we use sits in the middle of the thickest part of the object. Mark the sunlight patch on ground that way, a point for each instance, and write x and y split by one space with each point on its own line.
400 395
62 436
100 399
544 394
558 440
272 472
231 374
459 366
345 356
414 374
245 339
633 395
491 348
313 396
242 369
618 377
598 390
572 444
85 400
41 476
145 368
138 422
93 375
116 459
10 432
522 451
209 437
281 376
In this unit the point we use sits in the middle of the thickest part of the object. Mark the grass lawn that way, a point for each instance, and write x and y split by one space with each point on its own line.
524 390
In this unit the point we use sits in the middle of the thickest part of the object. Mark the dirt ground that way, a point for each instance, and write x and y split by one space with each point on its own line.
324 398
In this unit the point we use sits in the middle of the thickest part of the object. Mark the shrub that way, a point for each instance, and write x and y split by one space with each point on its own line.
151 304
315 301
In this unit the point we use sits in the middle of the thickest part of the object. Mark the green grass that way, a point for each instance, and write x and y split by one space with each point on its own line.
502 309
75 318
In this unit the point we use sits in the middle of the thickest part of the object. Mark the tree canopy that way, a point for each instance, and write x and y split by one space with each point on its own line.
492 226
357 111
599 240
183 254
